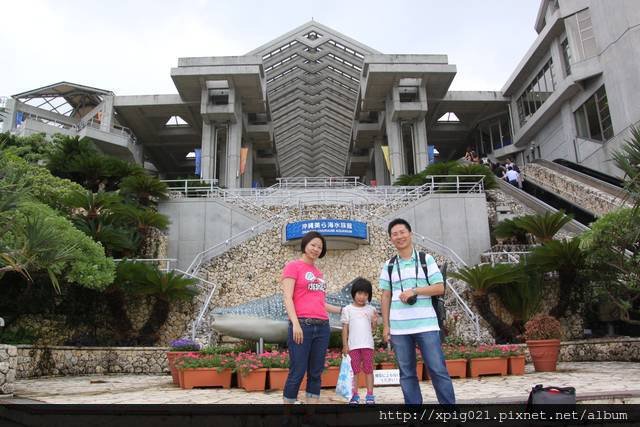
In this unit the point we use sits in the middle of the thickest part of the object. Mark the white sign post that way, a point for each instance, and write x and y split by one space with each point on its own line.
386 377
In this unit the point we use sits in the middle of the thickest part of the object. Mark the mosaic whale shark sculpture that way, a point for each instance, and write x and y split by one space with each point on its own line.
266 318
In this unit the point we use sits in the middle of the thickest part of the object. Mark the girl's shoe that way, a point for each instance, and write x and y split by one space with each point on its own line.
370 399
355 400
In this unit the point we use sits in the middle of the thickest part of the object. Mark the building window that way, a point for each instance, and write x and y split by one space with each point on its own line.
409 93
593 119
566 56
536 92
494 135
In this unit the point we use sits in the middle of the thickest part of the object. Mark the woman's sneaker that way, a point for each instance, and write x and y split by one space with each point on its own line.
355 400
370 399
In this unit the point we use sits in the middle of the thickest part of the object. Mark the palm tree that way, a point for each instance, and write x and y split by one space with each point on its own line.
543 226
483 278
165 287
628 160
65 149
522 299
507 229
146 190
565 257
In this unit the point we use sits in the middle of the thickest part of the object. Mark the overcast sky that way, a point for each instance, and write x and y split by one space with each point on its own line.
130 46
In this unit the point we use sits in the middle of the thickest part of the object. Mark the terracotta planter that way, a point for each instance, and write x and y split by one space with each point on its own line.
516 365
457 367
277 378
204 377
387 365
544 354
487 366
420 370
255 380
330 376
172 356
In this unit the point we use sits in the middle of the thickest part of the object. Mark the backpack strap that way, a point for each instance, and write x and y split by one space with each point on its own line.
392 261
425 268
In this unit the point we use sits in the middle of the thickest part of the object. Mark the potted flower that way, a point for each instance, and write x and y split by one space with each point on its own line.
542 334
252 374
179 348
331 371
210 371
456 360
486 360
515 361
385 359
278 364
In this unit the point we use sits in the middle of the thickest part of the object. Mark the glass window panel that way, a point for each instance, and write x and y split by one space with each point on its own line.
495 136
592 119
581 123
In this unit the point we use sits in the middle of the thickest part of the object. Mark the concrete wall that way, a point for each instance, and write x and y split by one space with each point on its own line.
454 220
198 224
617 34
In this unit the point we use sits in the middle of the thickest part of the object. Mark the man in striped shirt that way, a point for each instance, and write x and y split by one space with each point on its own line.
409 319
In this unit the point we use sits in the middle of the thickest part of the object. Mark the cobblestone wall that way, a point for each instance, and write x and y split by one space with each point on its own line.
35 362
8 362
582 195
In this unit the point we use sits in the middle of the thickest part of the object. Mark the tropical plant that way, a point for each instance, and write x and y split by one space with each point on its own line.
33 148
508 229
146 280
565 257
612 249
484 278
475 169
522 299
41 239
542 327
628 160
543 226
146 190
65 149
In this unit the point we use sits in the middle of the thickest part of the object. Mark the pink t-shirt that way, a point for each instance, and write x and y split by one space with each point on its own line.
309 290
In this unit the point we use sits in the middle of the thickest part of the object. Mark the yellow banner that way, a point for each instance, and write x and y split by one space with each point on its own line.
243 159
387 159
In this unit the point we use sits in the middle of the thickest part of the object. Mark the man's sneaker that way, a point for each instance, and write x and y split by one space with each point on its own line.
355 400
370 399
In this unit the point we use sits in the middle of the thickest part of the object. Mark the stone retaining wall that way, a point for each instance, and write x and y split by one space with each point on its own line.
8 361
33 362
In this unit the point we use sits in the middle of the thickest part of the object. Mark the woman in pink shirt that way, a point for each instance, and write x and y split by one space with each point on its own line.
304 290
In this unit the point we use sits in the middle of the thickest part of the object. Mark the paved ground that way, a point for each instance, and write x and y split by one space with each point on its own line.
597 382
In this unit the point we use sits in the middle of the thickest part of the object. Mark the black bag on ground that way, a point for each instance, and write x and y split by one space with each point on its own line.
552 396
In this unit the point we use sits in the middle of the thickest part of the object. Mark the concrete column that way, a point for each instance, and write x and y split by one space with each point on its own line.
107 113
247 177
234 142
394 139
9 122
420 153
378 161
223 148
209 149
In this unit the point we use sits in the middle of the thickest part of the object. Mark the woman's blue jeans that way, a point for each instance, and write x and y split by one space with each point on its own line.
308 358
429 344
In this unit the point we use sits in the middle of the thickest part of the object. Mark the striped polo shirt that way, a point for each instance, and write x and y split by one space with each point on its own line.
407 319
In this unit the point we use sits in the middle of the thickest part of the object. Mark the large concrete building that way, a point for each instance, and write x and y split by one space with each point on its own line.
315 102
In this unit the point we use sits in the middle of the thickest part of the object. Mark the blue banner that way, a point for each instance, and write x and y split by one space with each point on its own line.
198 153
431 153
328 228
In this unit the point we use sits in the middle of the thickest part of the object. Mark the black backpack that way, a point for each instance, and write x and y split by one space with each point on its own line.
436 301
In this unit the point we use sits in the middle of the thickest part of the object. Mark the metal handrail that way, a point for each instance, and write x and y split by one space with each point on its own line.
318 181
167 261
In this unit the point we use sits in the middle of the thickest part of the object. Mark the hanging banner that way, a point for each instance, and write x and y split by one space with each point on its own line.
243 159
387 159
431 153
198 153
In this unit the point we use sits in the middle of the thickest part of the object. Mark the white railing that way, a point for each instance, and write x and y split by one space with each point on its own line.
48 121
3 101
319 182
164 264
234 240
505 257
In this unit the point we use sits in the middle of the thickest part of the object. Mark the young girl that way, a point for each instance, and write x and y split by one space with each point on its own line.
358 321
